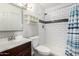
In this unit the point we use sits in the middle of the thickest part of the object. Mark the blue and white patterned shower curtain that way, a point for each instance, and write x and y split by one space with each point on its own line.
72 48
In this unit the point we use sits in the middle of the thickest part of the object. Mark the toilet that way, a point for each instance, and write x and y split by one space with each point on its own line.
41 49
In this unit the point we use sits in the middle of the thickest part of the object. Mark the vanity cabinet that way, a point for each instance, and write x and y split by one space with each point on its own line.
21 50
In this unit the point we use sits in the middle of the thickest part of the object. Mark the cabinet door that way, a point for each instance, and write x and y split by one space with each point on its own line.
25 53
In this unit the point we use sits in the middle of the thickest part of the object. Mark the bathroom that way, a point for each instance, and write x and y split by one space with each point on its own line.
34 29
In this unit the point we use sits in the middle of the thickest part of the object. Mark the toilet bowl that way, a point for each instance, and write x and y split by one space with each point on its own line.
41 49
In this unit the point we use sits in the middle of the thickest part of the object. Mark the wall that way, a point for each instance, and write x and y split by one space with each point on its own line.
5 35
42 34
56 33
38 11
58 12
30 29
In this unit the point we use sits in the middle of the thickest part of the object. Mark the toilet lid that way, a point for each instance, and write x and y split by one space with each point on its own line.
43 48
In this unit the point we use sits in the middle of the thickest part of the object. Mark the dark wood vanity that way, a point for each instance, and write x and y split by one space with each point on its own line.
21 50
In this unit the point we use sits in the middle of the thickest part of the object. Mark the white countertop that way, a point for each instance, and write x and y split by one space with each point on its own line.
5 45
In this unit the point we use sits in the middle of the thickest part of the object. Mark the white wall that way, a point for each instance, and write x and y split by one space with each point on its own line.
37 11
56 35
42 34
58 12
30 29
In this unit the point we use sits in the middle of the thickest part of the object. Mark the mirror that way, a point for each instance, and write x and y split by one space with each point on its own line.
10 17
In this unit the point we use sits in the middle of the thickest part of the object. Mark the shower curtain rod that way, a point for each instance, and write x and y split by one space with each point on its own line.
53 21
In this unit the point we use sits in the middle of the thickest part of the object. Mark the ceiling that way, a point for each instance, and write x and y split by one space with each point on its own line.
49 5
44 5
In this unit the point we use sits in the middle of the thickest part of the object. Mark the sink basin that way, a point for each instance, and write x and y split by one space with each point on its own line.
20 38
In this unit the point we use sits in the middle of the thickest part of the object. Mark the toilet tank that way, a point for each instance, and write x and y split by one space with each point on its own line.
35 41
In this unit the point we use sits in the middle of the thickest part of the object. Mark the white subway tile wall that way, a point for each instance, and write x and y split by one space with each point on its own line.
8 34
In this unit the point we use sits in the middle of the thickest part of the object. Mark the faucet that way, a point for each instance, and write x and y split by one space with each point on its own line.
12 37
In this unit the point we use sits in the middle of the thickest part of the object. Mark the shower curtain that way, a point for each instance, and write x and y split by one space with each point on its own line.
72 48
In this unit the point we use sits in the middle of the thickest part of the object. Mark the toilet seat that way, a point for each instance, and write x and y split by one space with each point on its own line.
43 49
